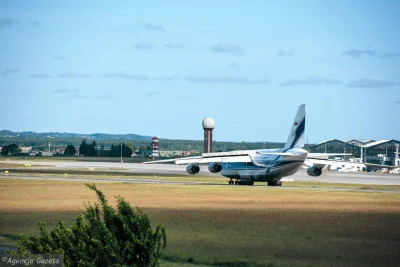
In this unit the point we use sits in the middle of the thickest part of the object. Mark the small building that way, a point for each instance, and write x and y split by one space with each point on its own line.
25 150
60 150
46 154
170 153
190 153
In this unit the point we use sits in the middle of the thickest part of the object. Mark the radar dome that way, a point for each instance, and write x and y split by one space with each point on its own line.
208 123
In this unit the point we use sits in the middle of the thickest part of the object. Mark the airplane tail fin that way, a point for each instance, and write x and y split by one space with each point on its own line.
296 135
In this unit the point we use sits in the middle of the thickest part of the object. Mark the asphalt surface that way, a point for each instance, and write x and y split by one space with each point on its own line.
171 169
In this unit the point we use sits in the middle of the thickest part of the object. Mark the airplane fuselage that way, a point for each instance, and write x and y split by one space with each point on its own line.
265 167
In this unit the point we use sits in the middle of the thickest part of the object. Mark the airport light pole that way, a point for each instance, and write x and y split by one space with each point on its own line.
121 153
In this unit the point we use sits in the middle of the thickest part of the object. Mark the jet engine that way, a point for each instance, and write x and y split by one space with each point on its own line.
192 169
214 167
314 170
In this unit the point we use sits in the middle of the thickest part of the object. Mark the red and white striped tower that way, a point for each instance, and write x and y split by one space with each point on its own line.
208 126
155 153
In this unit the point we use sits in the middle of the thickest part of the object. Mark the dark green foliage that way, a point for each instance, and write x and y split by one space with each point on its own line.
70 150
116 151
102 236
88 150
10 150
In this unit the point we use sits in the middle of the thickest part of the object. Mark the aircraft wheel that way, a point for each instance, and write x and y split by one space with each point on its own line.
236 182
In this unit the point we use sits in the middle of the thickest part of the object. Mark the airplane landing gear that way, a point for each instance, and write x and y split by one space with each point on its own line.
246 182
231 182
275 183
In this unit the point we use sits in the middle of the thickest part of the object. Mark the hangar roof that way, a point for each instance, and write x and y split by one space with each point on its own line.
367 143
377 143
326 141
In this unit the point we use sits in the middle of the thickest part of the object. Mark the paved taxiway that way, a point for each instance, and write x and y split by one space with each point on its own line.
171 169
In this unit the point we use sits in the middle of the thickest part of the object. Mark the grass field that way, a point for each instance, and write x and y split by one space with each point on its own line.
229 226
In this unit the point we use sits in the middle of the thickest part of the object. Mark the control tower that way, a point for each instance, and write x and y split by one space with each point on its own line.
208 126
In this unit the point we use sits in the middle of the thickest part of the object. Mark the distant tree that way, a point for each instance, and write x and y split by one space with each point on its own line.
70 150
116 150
88 150
126 151
83 148
142 149
4 151
13 149
10 150
102 236
131 146
93 149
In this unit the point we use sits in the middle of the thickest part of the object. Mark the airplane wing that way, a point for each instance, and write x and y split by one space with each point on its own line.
330 161
379 165
218 157
277 153
208 160
322 162
203 160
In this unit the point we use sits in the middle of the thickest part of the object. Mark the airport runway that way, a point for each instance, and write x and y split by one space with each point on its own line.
171 169
122 167
366 178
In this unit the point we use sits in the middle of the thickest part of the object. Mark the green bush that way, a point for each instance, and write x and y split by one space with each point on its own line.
102 236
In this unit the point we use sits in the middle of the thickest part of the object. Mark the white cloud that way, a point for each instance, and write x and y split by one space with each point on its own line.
228 48
371 82
233 80
311 81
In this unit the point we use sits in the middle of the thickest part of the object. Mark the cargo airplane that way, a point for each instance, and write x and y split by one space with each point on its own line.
244 167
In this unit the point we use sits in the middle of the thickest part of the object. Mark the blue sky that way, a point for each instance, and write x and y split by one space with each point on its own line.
160 67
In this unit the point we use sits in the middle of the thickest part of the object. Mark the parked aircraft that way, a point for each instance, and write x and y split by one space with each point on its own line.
262 165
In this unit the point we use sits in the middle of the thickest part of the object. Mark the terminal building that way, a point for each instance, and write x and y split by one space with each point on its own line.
385 152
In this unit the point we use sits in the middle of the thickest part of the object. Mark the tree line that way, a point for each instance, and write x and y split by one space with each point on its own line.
41 144
116 150
93 149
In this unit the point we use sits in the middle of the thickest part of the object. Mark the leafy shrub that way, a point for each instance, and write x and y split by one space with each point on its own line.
102 236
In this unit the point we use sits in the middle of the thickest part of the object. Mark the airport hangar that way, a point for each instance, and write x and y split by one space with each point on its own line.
385 152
